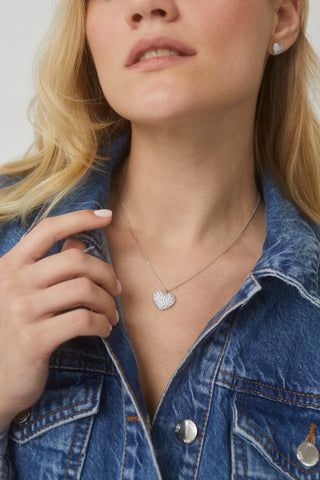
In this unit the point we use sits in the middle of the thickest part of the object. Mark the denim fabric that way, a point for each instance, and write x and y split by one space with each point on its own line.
250 382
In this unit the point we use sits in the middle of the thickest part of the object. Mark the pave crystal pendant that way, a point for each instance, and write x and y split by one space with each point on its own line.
164 299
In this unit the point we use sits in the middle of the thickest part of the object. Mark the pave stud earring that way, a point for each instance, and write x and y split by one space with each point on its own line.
277 48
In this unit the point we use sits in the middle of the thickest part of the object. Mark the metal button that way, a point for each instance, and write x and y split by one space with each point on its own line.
23 416
308 454
186 431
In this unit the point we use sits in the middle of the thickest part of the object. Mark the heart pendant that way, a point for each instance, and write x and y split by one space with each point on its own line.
164 300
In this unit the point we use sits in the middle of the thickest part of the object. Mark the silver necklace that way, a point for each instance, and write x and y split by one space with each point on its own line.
164 298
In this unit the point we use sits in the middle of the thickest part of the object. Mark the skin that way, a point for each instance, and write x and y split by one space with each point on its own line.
187 113
193 196
219 33
189 180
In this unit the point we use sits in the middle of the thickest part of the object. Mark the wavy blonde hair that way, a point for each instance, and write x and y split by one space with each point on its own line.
287 133
71 118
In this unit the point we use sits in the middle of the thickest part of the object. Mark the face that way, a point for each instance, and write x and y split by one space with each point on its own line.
169 59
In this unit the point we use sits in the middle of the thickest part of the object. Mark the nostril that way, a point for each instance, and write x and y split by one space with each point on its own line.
137 17
159 12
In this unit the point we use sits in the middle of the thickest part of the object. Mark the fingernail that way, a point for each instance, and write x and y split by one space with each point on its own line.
103 213
119 287
118 316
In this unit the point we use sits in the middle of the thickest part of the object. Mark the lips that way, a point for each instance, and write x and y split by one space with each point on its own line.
147 44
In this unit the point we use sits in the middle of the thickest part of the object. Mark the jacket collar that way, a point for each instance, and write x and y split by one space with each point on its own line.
291 247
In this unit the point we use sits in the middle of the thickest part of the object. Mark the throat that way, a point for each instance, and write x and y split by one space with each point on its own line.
164 298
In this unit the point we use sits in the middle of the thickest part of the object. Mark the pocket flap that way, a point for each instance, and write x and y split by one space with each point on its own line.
69 395
276 429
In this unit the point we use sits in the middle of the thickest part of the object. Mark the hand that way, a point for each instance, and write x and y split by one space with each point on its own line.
47 301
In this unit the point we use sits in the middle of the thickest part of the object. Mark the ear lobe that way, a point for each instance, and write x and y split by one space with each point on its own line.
287 24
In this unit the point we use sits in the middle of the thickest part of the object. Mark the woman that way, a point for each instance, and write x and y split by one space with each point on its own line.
191 123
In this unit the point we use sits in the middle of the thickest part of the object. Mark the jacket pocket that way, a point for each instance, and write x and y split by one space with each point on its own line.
69 396
51 440
267 434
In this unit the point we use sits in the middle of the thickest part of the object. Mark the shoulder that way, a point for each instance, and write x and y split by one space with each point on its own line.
12 231
315 232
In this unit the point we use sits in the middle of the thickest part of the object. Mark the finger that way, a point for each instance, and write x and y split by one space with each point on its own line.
72 294
49 231
51 333
73 263
74 243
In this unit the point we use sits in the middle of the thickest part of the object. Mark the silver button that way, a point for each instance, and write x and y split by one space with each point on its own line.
186 431
22 417
308 454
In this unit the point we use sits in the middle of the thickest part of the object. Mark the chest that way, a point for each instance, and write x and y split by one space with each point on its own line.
161 339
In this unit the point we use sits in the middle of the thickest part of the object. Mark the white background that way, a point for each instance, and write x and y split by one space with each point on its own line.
22 25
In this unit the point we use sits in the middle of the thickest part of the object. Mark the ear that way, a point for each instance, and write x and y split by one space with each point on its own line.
286 23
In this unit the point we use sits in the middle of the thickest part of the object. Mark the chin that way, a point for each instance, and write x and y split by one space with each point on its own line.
155 106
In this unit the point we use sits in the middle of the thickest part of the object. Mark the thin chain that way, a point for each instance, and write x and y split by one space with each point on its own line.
125 214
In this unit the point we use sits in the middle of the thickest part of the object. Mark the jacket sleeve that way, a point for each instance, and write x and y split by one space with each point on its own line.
4 467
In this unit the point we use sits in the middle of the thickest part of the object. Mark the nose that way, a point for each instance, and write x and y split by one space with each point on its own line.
140 10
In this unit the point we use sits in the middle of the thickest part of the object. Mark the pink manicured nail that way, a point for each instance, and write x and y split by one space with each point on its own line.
119 287
103 213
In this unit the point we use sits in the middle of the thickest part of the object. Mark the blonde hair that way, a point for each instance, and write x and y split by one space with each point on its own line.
287 134
71 118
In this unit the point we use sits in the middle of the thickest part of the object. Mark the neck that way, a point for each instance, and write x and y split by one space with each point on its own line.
189 183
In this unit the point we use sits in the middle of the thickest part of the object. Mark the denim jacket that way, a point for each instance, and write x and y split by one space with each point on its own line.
249 387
